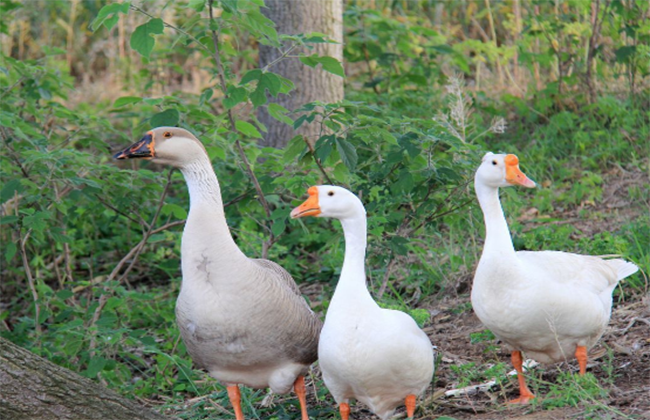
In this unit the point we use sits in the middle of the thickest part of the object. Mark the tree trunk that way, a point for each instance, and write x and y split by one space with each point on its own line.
311 84
32 388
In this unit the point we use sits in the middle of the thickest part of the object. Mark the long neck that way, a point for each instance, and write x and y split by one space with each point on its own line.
206 231
497 235
352 283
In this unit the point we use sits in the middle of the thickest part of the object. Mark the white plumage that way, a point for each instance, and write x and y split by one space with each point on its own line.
377 356
550 304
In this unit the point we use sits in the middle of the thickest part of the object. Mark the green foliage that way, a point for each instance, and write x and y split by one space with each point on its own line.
571 390
469 373
142 39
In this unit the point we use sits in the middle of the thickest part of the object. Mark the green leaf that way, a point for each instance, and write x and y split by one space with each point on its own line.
247 129
126 100
278 112
298 122
229 6
8 219
623 54
259 23
398 245
167 118
340 173
278 227
153 101
10 251
64 294
10 189
251 75
94 367
142 39
37 221
330 64
295 147
234 96
197 5
109 15
348 153
205 96
271 82
323 147
171 208
404 183
267 81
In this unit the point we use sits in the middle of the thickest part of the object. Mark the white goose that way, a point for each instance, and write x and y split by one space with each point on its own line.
549 304
377 356
243 320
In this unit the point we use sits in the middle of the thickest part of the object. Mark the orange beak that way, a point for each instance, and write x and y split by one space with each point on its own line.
514 176
310 207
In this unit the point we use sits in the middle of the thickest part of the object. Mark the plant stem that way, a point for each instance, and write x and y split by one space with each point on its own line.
28 271
222 78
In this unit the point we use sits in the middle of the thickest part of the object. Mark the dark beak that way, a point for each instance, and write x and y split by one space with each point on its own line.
141 149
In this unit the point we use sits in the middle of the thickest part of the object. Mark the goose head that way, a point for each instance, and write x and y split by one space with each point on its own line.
168 145
329 201
501 171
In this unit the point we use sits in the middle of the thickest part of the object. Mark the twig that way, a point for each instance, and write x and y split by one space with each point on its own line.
632 322
14 156
148 233
28 272
277 60
120 212
384 281
236 199
10 88
318 162
66 246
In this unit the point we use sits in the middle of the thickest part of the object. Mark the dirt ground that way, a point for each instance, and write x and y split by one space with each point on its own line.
628 337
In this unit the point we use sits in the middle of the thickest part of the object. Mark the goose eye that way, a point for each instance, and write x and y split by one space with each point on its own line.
494 162
167 134
331 193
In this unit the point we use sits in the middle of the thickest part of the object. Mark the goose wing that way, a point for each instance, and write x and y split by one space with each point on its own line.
585 271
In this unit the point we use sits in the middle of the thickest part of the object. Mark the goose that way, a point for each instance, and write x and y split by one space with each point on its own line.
242 319
548 304
377 356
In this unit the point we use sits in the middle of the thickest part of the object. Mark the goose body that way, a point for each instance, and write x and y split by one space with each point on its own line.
550 304
243 320
377 356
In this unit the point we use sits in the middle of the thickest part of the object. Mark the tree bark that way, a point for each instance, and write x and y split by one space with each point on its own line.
32 388
311 84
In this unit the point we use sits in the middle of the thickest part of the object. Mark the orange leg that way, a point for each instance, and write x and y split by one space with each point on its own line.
344 408
301 392
581 355
410 405
235 400
524 393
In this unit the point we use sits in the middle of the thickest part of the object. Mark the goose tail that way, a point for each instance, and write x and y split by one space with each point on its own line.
622 268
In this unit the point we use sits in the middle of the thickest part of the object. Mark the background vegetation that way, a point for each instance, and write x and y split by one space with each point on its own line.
90 249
